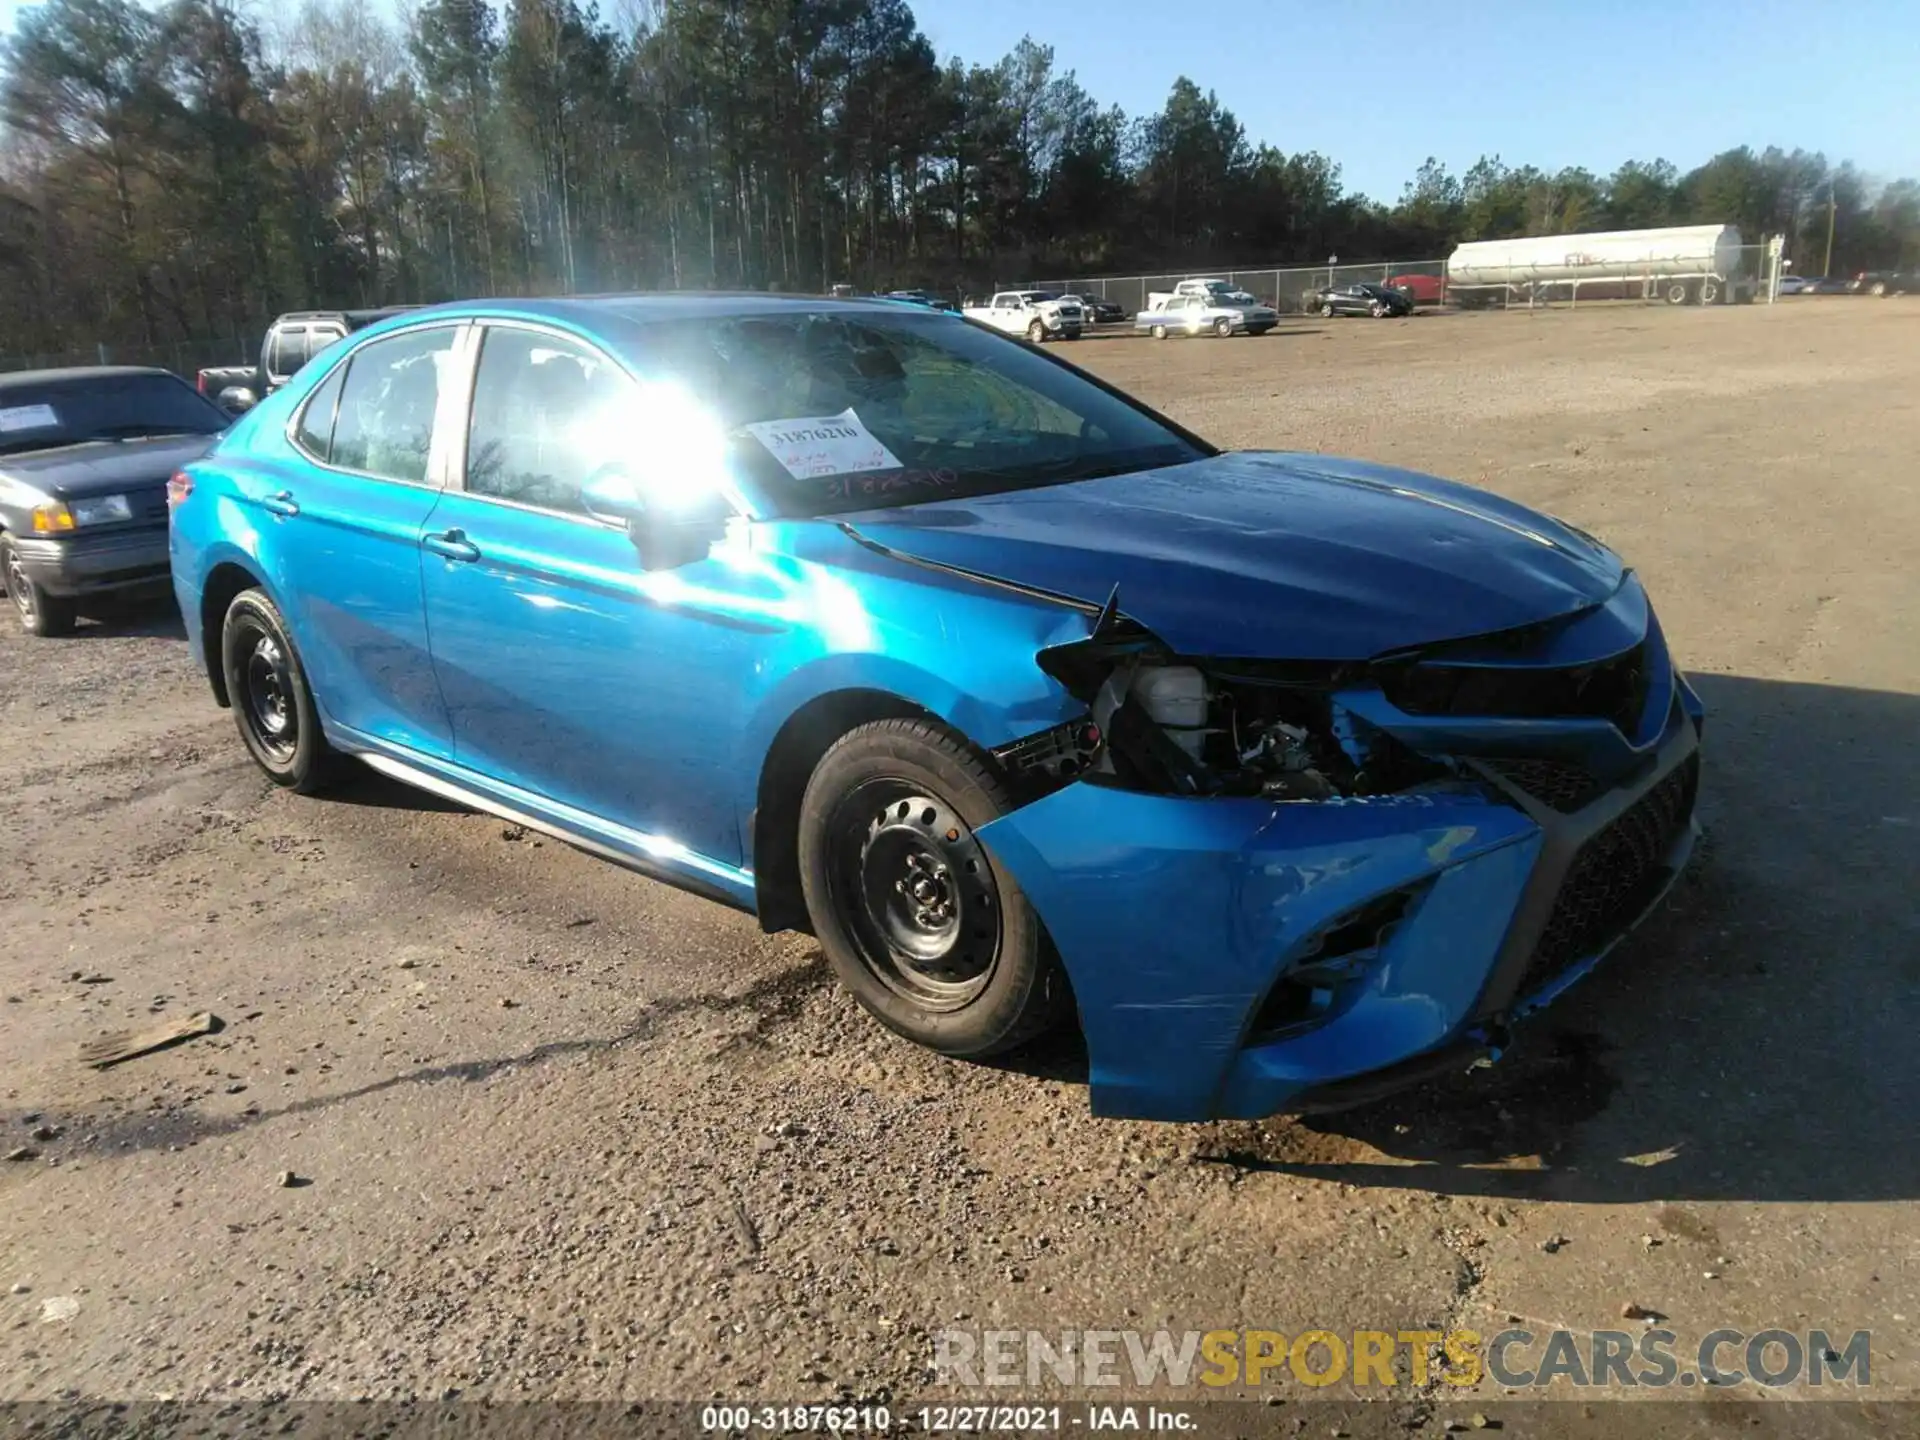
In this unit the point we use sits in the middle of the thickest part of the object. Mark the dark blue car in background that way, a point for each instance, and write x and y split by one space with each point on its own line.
1294 778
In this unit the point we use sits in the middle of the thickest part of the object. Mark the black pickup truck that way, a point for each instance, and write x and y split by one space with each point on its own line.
290 342
85 456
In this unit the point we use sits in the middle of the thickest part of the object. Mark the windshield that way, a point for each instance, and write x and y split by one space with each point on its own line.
825 413
44 414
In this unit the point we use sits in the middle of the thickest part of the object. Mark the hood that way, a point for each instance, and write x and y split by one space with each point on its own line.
102 467
1298 557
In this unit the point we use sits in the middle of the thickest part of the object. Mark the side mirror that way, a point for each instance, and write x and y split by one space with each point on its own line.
665 539
237 400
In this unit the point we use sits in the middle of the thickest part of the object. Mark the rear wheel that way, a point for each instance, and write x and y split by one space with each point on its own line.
1037 333
272 703
1709 292
40 613
919 924
1678 293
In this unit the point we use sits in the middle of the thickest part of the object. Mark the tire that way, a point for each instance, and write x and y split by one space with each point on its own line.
960 963
1159 332
1036 333
272 702
1879 287
1678 293
1709 292
1326 309
38 612
1377 310
1223 327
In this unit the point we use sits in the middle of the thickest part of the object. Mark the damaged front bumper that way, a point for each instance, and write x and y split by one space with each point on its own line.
1237 957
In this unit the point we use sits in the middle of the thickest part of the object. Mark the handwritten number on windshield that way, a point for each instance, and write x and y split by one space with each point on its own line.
876 483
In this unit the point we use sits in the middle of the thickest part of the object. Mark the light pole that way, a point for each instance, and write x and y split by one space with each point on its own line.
1826 268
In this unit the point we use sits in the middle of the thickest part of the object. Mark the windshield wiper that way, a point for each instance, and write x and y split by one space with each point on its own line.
1074 467
136 431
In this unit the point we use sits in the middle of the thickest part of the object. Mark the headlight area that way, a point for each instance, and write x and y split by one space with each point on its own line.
58 517
1177 726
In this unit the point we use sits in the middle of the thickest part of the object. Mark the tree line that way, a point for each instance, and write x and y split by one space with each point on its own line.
179 171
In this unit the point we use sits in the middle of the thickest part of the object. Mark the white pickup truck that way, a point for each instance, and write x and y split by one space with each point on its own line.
1037 314
1217 292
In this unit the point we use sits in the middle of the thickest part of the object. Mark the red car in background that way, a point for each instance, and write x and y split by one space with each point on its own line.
1421 289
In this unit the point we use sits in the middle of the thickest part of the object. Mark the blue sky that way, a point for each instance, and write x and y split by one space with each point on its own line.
1379 85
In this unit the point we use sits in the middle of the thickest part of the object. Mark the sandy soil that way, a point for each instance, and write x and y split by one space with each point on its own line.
565 1133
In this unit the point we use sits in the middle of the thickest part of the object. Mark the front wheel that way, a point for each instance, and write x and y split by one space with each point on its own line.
1036 333
40 613
919 924
1378 310
1159 332
272 703
1223 327
1879 287
1709 292
1327 309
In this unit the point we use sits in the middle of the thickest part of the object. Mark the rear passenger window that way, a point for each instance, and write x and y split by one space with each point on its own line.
387 404
315 431
546 415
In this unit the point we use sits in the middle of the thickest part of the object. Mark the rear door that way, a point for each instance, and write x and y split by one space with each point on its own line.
344 524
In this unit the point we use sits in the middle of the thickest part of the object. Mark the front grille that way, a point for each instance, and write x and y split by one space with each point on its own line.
1614 689
1565 787
1613 876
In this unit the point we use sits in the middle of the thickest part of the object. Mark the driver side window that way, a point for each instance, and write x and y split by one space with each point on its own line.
546 416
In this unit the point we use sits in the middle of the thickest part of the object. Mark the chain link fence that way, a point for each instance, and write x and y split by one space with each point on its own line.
1296 290
186 358
1290 290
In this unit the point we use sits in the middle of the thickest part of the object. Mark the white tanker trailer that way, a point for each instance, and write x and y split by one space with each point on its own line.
1684 264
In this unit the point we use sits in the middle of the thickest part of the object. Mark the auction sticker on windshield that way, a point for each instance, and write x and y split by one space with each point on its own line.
27 417
816 445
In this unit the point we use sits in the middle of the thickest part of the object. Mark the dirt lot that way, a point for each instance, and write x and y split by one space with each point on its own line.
563 1132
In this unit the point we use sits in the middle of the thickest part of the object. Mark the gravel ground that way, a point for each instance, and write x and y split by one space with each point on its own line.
560 1132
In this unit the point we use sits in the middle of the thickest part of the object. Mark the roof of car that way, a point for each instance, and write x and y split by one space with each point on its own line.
25 378
649 308
352 317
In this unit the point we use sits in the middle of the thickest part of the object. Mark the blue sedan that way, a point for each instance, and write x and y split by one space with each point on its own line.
1292 779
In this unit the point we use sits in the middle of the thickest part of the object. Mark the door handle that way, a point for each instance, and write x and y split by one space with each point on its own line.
452 545
281 502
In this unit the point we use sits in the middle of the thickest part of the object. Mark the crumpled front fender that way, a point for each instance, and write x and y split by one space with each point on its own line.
1174 916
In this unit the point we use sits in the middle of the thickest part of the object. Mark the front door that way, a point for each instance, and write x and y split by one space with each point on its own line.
569 670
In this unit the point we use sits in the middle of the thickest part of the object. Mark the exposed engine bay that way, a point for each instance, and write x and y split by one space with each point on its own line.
1172 725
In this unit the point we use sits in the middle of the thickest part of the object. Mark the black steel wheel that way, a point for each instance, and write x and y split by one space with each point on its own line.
917 891
39 612
272 703
919 923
